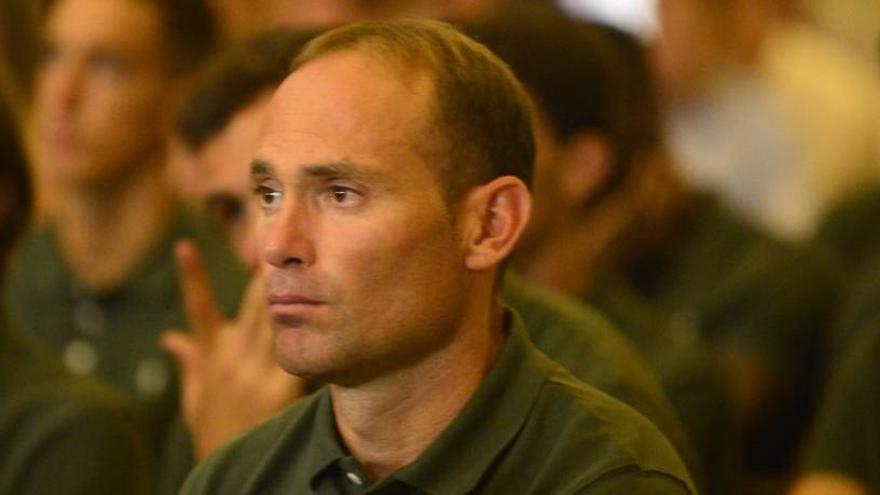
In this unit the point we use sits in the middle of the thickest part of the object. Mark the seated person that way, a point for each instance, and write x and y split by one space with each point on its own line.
58 433
616 227
843 455
380 244
220 123
97 282
572 71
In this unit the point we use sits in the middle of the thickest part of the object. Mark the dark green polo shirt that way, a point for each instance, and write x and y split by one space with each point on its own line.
530 428
593 350
846 436
570 334
63 434
114 335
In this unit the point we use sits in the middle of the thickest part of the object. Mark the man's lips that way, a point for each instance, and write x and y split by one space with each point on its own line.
291 310
291 300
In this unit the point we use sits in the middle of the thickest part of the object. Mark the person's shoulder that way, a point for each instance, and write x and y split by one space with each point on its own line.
568 330
238 464
602 438
56 420
591 349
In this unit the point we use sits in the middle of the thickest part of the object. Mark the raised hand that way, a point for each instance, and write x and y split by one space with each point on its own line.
230 380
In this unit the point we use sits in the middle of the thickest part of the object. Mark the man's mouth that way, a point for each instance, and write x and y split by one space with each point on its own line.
291 309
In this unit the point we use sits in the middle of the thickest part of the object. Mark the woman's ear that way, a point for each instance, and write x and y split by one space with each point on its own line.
497 212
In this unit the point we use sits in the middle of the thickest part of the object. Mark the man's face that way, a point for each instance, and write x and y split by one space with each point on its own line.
362 259
223 163
99 90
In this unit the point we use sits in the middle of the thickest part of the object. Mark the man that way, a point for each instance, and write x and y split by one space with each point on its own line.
58 433
220 124
97 283
387 206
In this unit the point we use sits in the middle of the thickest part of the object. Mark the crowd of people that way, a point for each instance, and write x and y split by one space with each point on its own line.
415 246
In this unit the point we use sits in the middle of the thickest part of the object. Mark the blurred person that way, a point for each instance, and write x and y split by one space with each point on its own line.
242 19
58 433
843 454
220 122
20 42
854 23
325 153
745 81
96 282
569 71
614 225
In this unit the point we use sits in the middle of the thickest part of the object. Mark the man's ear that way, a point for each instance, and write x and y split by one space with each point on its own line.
589 161
497 212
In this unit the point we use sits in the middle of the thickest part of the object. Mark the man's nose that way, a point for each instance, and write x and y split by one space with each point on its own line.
288 238
63 84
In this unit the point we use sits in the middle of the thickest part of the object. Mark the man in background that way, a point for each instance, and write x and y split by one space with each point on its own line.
96 283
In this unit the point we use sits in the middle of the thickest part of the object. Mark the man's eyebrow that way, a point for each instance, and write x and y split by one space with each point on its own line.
342 169
260 168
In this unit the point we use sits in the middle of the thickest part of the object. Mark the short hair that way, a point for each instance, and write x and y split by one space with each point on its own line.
16 194
480 109
234 78
190 31
583 76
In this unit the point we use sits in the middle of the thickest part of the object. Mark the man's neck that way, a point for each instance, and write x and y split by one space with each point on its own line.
388 423
104 235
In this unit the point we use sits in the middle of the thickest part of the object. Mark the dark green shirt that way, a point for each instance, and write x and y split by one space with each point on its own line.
850 229
570 334
63 434
114 335
731 284
861 308
530 428
593 350
694 382
846 436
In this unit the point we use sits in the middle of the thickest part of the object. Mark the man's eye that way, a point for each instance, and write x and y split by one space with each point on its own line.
267 196
343 196
48 53
111 64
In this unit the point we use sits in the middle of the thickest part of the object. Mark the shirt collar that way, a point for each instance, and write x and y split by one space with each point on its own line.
326 447
457 460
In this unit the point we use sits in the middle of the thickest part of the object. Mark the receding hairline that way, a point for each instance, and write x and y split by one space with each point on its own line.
477 102
425 136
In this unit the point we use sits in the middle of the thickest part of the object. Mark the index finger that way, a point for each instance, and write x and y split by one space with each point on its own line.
199 302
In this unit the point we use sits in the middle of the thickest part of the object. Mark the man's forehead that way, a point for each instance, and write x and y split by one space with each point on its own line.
355 80
106 19
351 97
